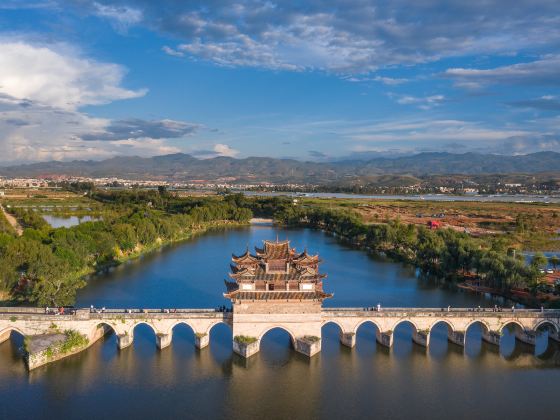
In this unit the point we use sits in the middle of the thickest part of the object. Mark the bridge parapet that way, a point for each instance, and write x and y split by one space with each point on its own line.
458 321
42 327
304 328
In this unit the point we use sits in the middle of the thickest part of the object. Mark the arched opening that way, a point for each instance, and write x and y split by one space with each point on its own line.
183 337
144 340
276 345
220 336
12 347
403 339
474 338
101 330
509 346
330 338
547 336
440 346
366 338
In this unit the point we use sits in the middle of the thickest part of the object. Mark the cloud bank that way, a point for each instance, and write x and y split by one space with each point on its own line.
344 36
43 87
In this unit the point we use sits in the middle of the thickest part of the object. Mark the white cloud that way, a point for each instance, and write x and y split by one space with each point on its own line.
389 81
122 16
225 150
58 76
543 71
54 134
350 37
339 36
432 131
425 102
219 149
42 88
170 51
136 128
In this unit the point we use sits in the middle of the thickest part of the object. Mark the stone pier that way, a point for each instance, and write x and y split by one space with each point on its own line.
124 341
245 349
491 337
163 340
385 338
201 340
422 338
525 336
554 336
348 339
308 346
456 337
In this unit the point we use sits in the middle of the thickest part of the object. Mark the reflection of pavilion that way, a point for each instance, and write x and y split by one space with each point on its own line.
284 288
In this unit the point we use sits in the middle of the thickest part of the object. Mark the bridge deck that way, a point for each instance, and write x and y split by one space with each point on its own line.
440 312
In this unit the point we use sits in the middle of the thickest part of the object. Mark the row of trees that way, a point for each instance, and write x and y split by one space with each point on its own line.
440 253
46 266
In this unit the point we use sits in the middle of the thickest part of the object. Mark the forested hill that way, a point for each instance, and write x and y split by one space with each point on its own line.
185 167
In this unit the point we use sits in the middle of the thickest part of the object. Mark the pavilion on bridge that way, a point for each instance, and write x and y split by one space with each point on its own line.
276 272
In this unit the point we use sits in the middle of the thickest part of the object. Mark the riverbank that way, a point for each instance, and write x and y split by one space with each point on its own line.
86 274
440 254
140 251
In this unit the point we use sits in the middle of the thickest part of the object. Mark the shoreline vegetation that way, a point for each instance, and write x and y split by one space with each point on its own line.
45 266
446 254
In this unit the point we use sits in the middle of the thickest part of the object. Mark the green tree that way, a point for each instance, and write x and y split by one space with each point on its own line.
539 261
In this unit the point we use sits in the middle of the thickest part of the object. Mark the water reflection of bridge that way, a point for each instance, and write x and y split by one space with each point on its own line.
248 331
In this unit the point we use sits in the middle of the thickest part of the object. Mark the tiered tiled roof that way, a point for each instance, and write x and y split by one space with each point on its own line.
275 268
279 295
275 250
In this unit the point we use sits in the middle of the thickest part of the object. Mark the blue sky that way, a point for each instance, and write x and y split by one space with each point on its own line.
308 80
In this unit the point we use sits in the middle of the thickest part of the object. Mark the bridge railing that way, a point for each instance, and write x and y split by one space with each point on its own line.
9 310
153 311
443 310
21 310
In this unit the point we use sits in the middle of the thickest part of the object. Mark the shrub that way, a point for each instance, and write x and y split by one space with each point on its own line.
245 339
73 340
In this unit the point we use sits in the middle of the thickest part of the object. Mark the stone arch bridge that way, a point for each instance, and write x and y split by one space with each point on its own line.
42 330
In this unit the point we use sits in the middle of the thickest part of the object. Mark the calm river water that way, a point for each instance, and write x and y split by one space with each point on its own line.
181 382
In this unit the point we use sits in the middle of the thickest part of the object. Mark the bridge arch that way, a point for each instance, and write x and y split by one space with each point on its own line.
483 325
7 332
400 322
341 329
366 321
94 333
449 324
547 323
279 327
212 325
511 322
130 331
181 322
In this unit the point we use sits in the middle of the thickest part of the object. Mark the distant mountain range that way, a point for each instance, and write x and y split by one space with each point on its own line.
183 167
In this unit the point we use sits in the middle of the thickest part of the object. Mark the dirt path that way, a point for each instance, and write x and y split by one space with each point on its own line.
12 221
